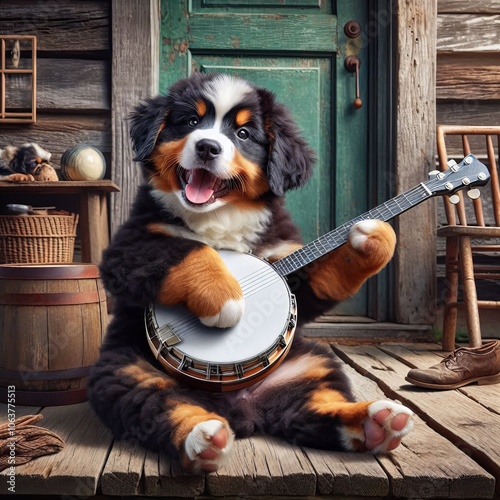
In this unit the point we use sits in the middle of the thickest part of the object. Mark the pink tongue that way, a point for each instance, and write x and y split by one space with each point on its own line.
200 186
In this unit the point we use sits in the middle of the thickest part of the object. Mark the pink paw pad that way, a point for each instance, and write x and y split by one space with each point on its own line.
207 445
387 424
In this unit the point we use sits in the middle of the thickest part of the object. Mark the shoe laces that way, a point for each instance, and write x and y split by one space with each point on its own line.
452 357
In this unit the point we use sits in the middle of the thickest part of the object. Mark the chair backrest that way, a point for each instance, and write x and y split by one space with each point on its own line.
457 141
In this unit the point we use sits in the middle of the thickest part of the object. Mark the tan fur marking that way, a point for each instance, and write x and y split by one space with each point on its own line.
332 402
158 228
201 108
144 375
166 157
243 116
201 281
340 274
184 417
254 181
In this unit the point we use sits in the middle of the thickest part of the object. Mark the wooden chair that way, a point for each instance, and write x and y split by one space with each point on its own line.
477 220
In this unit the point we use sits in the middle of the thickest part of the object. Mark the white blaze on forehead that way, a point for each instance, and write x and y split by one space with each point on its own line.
225 92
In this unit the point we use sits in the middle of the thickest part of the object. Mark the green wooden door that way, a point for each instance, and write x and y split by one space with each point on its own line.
296 48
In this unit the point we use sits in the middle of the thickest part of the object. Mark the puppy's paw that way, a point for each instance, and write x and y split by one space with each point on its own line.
207 446
374 239
387 423
206 286
20 178
229 315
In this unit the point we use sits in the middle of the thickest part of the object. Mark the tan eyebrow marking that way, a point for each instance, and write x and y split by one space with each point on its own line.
243 116
201 108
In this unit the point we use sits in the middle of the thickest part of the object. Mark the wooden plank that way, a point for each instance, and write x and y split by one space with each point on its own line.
263 466
468 33
465 423
414 295
479 82
62 84
59 26
426 465
123 470
76 469
348 473
134 77
57 133
468 112
468 7
163 476
259 32
18 412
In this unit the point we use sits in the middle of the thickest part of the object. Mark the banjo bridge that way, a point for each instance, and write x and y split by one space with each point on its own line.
168 337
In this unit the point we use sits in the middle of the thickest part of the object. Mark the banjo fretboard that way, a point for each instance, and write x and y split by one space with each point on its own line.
336 238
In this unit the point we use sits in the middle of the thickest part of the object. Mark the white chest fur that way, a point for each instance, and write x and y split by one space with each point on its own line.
227 227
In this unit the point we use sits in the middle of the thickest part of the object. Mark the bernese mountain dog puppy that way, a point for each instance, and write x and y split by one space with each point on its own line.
25 163
218 154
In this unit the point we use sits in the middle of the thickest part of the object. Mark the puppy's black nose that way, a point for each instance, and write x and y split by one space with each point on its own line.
208 149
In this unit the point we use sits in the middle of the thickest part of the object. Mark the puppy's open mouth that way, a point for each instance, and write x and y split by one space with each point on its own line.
201 187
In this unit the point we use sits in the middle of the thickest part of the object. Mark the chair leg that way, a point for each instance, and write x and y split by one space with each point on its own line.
470 294
451 295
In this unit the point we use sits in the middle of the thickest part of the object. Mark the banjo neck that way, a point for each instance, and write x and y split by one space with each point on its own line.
336 238
468 173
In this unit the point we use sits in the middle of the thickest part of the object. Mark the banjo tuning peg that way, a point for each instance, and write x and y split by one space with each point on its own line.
474 194
433 174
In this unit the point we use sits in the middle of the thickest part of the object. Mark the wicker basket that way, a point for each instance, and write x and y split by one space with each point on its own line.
40 239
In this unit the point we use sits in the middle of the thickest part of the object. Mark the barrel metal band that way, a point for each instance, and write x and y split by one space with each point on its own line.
65 374
51 299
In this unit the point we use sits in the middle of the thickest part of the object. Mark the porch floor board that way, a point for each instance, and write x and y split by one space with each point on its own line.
453 451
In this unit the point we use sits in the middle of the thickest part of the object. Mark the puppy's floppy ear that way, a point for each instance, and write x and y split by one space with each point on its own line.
146 122
290 157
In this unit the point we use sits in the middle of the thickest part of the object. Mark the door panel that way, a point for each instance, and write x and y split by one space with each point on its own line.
295 48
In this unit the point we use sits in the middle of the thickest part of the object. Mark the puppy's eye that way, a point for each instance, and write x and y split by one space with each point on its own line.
193 121
242 133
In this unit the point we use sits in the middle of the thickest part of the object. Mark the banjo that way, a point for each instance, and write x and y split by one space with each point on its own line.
225 359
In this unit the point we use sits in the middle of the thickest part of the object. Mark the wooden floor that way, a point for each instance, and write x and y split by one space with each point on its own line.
453 451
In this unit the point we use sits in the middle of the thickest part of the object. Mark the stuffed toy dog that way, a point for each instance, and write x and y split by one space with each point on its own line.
218 154
28 162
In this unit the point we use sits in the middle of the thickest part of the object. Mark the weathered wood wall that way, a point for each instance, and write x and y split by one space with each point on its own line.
74 73
468 64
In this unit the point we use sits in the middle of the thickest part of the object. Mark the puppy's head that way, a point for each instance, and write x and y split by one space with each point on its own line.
25 159
217 139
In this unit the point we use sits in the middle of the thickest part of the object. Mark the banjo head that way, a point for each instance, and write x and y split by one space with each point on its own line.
177 337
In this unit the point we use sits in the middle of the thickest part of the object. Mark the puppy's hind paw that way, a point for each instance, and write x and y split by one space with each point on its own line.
207 446
386 425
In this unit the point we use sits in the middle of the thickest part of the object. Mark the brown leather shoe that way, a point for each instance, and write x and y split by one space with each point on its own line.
463 366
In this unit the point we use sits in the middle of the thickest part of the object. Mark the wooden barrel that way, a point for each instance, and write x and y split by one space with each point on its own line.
52 319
